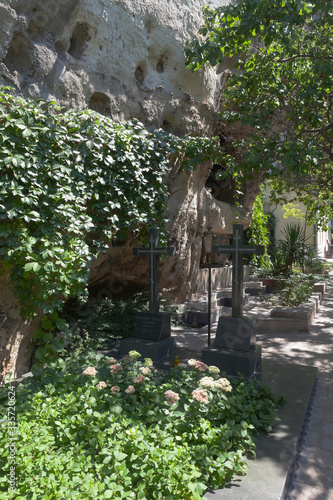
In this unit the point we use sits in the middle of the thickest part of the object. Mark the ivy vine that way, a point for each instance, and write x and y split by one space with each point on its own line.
72 183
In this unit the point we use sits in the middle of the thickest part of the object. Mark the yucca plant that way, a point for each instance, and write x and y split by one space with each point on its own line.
293 247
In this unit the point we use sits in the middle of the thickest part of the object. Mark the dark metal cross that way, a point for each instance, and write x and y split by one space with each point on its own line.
237 250
154 253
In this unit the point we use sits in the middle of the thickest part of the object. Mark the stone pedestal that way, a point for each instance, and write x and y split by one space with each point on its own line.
151 337
234 350
149 349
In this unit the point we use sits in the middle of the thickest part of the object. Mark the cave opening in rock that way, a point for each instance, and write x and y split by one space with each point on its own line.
160 66
79 40
101 103
222 189
139 75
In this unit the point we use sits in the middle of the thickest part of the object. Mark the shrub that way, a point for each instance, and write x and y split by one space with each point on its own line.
92 427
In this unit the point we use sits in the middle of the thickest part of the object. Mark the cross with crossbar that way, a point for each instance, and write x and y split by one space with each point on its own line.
154 253
237 250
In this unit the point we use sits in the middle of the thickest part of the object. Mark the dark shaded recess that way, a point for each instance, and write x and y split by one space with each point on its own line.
139 75
101 103
171 124
117 289
222 189
79 40
160 66
18 57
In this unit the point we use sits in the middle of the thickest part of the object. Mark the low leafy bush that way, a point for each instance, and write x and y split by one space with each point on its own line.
94 324
94 428
317 265
293 291
99 321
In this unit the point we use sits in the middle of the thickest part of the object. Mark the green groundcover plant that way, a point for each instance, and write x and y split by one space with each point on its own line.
95 428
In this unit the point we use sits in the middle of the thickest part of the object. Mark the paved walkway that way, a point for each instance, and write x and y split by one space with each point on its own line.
312 476
313 472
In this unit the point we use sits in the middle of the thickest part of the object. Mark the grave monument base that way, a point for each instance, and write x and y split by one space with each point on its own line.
233 361
156 350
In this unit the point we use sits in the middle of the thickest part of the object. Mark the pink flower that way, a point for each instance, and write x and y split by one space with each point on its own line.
139 379
130 389
115 389
101 385
198 364
90 371
200 395
112 361
201 366
171 397
116 368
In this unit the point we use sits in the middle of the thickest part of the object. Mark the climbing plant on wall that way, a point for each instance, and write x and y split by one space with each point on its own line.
72 182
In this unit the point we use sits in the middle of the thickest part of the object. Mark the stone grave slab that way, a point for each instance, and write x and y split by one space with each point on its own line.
152 326
235 348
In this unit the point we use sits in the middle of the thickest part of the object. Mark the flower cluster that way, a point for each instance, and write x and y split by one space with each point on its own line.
200 395
171 397
224 384
126 359
208 382
130 389
91 370
221 383
116 368
198 364
134 355
214 369
145 370
112 361
101 385
139 379
115 389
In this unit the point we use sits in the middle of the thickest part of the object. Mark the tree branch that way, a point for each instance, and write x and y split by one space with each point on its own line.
320 129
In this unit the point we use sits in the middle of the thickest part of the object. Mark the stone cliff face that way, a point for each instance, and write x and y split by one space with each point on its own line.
122 58
125 59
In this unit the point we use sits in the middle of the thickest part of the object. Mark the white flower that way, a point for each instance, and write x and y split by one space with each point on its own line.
224 384
207 382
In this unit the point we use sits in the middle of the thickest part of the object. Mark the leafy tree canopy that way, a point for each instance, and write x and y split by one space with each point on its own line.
281 90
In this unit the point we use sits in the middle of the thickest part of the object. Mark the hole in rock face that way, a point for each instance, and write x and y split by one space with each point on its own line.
79 40
101 103
160 66
18 57
222 189
139 75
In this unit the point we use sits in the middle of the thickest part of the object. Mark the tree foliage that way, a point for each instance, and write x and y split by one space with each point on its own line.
258 232
281 90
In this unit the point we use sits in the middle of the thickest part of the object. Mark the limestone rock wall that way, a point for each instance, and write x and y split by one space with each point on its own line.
122 58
